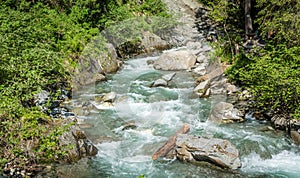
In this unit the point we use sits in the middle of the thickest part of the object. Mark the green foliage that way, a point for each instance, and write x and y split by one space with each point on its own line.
40 42
272 73
272 78
229 15
32 138
281 18
121 11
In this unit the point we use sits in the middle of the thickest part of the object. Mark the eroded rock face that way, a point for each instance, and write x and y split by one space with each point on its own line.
153 43
225 113
93 63
147 44
213 150
175 60
81 146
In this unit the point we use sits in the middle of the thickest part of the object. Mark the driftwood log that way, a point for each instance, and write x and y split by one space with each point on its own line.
170 144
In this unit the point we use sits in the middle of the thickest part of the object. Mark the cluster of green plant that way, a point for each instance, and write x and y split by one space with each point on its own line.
273 79
270 73
229 15
40 42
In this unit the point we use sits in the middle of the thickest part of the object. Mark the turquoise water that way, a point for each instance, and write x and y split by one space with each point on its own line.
157 114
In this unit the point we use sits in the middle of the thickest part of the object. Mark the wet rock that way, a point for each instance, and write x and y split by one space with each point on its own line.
231 89
100 78
201 89
295 137
225 113
175 60
41 98
109 97
81 146
266 129
279 122
129 126
213 150
207 93
160 83
168 77
150 62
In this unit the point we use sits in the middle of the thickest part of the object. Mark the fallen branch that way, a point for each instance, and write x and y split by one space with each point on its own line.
170 144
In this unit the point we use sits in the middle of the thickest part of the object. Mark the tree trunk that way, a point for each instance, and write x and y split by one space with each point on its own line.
248 19
170 144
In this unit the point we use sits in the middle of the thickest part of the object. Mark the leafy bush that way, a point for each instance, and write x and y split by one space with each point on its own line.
272 78
40 42
271 73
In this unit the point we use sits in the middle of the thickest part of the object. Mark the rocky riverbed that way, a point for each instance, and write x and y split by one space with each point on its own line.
192 55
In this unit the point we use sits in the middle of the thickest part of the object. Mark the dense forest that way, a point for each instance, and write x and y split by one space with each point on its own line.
260 40
40 42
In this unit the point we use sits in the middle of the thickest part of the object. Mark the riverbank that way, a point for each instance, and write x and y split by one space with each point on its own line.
40 45
114 132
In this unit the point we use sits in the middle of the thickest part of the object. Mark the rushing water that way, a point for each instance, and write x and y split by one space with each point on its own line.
158 113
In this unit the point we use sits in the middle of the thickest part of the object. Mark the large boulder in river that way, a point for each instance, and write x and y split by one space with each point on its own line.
213 150
143 44
225 113
175 60
94 62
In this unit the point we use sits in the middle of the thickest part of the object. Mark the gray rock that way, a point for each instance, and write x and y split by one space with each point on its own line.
200 69
150 62
245 95
152 43
231 89
109 97
169 77
41 98
100 78
295 137
129 126
175 60
93 63
81 146
160 83
201 58
205 48
218 85
201 89
225 113
213 150
280 122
